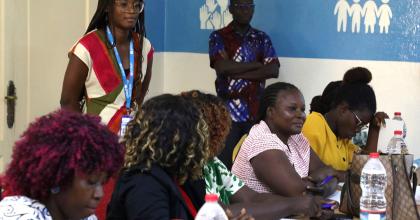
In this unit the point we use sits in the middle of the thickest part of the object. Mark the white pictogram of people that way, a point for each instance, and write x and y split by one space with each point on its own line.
214 14
369 12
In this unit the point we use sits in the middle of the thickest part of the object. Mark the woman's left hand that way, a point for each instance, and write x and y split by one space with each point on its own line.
320 174
378 119
330 187
324 190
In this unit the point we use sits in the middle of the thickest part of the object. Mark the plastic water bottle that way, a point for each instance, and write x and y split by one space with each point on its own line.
397 116
211 210
373 184
397 144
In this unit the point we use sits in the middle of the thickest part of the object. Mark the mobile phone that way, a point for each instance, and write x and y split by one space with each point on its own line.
314 189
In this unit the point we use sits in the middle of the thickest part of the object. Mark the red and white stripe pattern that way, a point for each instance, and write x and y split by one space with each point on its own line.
103 74
261 139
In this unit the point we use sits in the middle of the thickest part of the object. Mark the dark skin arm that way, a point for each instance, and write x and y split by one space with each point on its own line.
231 68
287 182
318 171
374 126
73 84
317 166
270 206
273 168
265 72
74 80
250 71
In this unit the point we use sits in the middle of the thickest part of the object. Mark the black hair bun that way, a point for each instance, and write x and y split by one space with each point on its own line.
357 75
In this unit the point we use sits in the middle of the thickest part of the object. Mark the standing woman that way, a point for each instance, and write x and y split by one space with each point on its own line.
104 73
111 66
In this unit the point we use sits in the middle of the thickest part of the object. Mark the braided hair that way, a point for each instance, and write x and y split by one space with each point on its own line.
100 21
269 97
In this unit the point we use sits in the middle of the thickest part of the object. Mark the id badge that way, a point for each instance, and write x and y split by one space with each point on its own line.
124 121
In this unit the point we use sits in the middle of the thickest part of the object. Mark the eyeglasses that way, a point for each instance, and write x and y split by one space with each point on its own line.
136 6
244 6
359 123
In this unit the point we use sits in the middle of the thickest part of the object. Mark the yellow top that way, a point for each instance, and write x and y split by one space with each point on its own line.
334 152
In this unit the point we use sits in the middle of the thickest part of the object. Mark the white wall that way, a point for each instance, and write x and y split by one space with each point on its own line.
397 84
156 86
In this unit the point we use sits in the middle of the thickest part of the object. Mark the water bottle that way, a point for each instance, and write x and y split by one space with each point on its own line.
211 210
397 116
373 184
397 144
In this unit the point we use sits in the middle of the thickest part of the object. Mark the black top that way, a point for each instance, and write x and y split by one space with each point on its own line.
153 194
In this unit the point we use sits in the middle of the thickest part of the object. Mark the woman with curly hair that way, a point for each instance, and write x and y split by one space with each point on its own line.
166 148
231 190
58 168
110 69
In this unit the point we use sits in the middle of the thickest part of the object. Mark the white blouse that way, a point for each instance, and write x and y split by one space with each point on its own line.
24 208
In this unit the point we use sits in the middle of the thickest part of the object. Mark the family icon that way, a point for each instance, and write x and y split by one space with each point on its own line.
369 12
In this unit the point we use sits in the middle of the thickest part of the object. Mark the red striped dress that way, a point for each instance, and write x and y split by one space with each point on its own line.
104 87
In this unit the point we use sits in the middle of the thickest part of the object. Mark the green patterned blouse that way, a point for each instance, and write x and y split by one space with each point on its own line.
220 181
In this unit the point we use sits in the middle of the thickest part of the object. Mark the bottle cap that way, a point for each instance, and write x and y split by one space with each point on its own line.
374 155
397 113
211 198
397 132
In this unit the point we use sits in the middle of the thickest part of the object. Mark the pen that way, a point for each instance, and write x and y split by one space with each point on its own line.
327 206
326 180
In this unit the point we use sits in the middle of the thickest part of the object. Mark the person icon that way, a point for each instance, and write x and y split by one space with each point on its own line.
341 9
370 10
356 15
384 15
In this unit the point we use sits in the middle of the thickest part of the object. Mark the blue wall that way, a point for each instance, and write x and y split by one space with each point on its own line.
155 23
305 28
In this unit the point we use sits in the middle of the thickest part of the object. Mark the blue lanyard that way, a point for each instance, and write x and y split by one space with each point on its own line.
128 84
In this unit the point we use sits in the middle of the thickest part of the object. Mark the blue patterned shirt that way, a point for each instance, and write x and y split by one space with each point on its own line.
242 96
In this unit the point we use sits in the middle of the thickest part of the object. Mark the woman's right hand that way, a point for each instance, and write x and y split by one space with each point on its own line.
241 216
310 205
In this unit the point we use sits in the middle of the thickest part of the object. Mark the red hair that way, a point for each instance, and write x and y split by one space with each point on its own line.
55 148
216 116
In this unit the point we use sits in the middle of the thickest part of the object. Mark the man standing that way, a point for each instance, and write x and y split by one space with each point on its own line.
243 58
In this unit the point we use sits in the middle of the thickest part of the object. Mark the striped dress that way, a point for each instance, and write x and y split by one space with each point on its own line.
104 87
261 139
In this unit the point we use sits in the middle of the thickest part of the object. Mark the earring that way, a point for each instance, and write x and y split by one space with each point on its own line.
55 190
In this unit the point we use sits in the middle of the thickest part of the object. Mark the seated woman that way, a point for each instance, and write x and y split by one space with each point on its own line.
166 147
58 168
231 190
344 109
276 157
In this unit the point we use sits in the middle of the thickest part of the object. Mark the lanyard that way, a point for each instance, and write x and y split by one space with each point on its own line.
128 84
